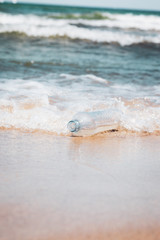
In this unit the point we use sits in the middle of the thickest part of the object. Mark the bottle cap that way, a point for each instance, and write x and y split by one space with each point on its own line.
73 126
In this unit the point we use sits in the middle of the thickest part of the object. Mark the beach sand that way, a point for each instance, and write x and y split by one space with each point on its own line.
61 188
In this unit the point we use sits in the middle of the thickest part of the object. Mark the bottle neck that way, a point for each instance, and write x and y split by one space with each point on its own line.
73 126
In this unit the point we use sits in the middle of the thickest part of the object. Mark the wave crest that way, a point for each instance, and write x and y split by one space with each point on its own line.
35 26
76 16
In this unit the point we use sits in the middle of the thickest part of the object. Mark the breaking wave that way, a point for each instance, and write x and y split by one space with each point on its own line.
75 16
48 106
133 29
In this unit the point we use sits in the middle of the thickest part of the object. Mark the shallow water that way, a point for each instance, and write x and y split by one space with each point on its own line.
57 61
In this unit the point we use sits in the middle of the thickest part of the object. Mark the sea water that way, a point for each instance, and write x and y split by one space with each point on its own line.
56 61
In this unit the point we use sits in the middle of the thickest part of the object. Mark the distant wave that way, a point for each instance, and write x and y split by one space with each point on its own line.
98 19
35 26
74 33
75 16
126 21
48 106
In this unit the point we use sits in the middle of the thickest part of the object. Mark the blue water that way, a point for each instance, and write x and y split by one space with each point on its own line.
25 56
70 49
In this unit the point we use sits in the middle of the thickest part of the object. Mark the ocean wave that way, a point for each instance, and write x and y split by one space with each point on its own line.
34 26
48 106
126 21
97 19
74 33
77 16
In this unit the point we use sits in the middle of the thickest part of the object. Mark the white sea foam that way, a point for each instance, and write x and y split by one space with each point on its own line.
43 27
126 21
48 106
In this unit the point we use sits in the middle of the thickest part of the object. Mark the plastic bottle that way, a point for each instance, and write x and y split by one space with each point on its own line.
89 123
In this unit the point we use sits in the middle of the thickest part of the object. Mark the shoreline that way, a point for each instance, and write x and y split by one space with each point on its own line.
113 133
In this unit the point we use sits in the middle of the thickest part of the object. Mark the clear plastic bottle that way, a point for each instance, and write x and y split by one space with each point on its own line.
90 123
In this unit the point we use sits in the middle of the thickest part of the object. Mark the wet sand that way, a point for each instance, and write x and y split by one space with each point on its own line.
103 187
